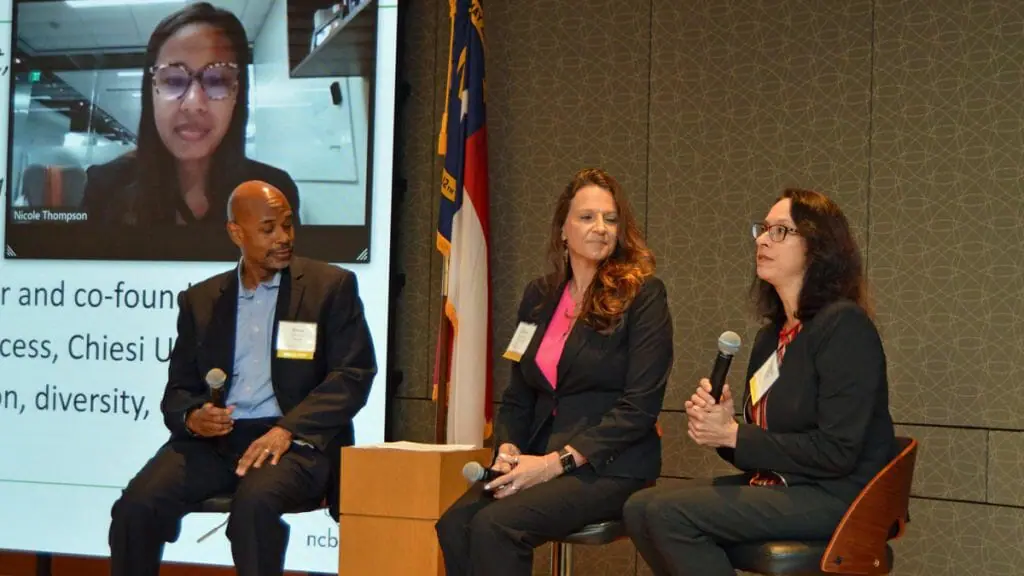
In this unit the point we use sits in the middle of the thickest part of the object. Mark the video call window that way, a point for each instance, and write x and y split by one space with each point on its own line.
132 122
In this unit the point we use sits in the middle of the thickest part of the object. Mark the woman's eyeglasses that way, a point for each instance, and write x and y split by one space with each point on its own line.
777 232
218 80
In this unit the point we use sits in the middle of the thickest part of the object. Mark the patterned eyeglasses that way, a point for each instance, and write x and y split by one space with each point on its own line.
218 80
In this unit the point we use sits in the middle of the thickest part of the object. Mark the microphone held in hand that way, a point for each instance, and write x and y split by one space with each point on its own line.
215 379
474 472
728 345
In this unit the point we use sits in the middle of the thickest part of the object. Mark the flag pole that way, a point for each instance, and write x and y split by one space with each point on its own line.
442 360
442 363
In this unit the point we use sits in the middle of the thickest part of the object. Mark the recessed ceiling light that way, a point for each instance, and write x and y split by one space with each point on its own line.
110 3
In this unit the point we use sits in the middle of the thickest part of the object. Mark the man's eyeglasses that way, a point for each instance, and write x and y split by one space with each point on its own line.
777 232
218 80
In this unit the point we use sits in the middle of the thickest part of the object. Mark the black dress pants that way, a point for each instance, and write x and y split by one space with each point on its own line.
186 472
482 536
679 531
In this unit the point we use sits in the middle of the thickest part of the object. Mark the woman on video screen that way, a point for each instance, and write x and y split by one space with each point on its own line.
191 143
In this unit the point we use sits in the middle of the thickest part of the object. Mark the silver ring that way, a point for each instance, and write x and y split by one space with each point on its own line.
267 451
515 460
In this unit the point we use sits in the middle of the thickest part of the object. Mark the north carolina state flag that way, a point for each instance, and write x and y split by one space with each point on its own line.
463 232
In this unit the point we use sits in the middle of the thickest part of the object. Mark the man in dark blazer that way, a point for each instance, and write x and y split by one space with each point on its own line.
290 336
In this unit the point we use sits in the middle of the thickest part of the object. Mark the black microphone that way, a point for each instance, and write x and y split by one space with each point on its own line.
728 345
474 472
215 379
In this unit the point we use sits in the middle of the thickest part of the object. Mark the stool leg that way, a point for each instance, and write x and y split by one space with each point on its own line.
44 565
213 530
556 559
566 561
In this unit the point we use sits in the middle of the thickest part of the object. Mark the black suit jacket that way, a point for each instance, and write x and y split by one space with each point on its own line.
318 397
610 387
828 411
113 192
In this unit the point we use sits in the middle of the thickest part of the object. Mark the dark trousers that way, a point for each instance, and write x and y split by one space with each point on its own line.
482 536
186 472
679 530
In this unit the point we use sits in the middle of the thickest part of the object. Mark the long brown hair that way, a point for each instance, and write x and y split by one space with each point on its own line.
834 270
157 175
620 276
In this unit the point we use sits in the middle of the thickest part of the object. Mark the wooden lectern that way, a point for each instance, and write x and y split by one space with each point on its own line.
391 497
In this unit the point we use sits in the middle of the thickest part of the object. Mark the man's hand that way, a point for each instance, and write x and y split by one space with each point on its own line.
271 445
210 421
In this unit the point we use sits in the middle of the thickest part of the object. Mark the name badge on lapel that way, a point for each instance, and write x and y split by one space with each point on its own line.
296 340
764 378
520 342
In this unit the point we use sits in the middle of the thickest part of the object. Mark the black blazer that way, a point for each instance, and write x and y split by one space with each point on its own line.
828 412
610 387
318 397
112 191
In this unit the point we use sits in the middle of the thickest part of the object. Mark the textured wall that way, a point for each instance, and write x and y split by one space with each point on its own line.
946 257
909 112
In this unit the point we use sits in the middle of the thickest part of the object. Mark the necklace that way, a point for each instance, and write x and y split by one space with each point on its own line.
568 328
570 312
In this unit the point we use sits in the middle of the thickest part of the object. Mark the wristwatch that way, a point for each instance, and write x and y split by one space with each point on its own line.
568 462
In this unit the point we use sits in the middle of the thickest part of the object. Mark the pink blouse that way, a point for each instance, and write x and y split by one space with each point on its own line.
550 349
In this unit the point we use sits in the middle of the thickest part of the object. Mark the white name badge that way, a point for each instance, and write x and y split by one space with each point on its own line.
764 378
520 342
296 340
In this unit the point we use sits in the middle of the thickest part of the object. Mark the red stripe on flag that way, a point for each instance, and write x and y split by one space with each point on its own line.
475 178
475 185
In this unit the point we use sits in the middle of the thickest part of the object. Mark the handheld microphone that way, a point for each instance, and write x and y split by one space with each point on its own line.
215 379
474 472
728 345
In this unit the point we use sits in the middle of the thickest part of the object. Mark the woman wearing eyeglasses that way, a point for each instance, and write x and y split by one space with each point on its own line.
815 415
191 141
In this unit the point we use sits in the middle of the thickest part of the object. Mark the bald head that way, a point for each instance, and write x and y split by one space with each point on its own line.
260 224
252 197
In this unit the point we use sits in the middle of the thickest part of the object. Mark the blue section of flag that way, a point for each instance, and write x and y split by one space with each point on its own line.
466 77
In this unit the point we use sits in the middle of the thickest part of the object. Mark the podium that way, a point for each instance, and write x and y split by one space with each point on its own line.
391 497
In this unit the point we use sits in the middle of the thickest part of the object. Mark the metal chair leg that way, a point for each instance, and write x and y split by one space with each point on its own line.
213 530
556 558
44 564
561 559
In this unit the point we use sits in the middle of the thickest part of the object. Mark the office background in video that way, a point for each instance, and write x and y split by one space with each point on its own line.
76 99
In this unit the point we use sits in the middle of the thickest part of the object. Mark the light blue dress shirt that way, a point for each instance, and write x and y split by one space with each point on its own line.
251 392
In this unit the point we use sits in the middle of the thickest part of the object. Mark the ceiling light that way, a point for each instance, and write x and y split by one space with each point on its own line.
118 3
